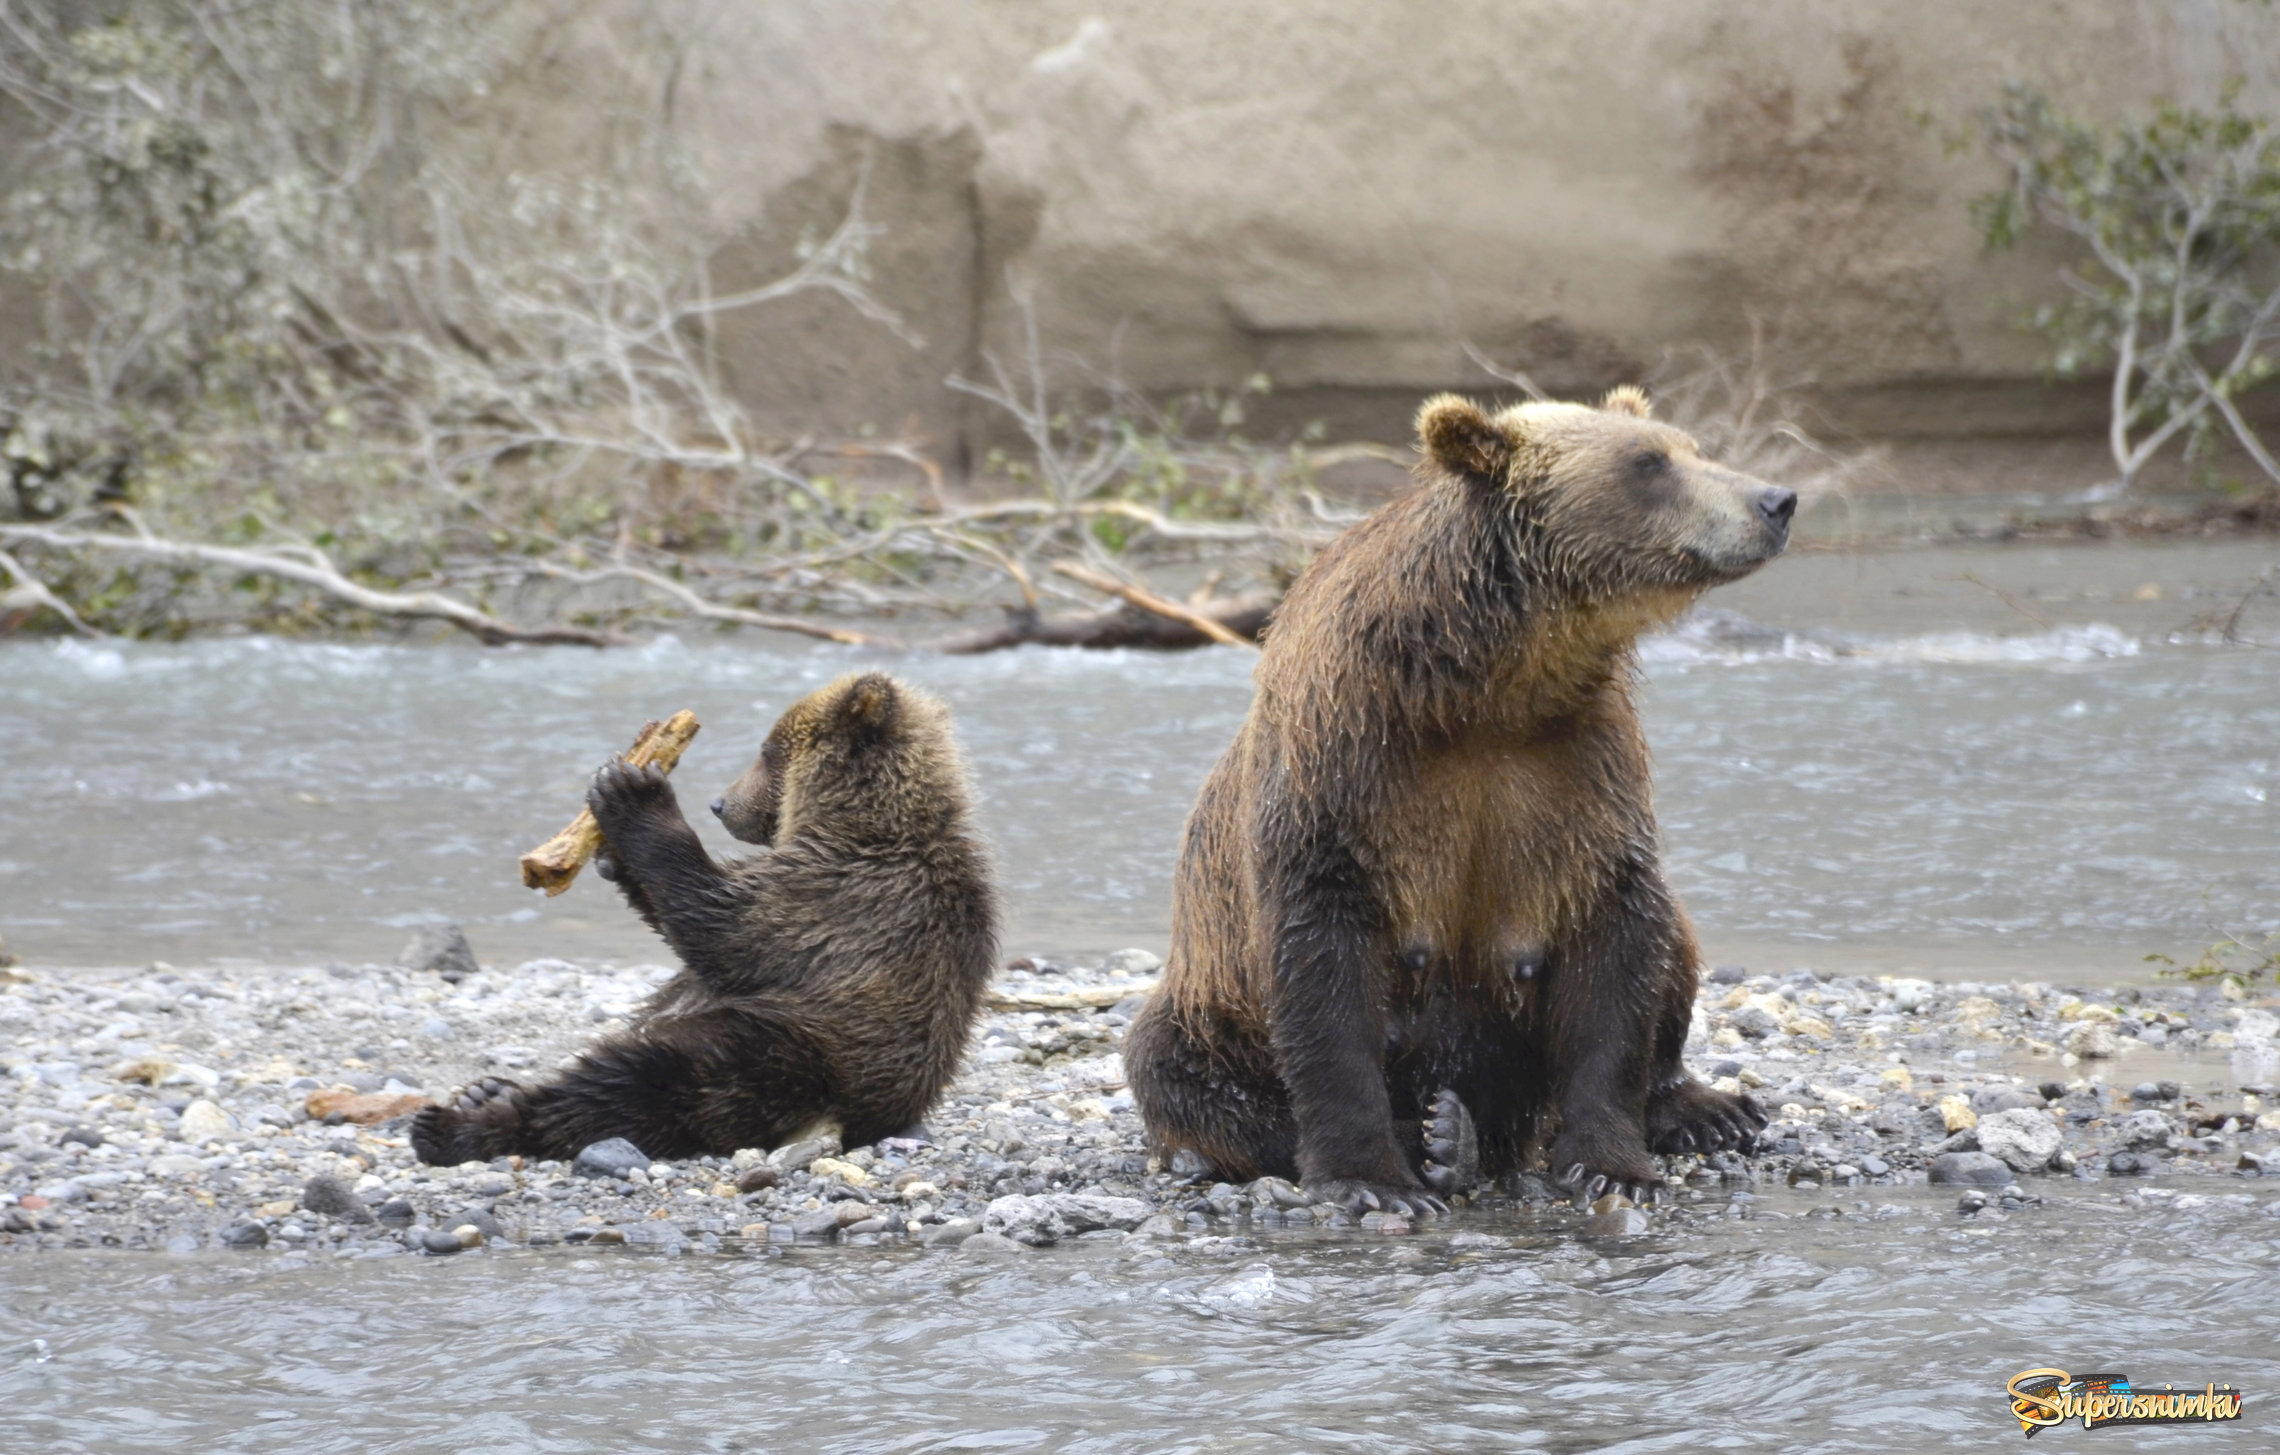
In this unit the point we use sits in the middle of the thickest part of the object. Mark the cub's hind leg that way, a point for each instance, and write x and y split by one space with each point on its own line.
674 1086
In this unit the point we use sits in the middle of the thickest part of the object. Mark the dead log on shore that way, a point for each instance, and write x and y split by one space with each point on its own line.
1124 625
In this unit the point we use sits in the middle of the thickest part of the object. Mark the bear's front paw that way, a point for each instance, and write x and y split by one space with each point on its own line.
1358 1196
621 789
1594 1163
477 1125
1689 1117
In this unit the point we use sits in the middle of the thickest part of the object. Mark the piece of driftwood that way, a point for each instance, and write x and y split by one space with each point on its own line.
1148 600
1123 625
1092 998
552 865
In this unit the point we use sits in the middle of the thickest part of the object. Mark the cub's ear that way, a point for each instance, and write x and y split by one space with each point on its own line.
1628 399
869 708
1458 436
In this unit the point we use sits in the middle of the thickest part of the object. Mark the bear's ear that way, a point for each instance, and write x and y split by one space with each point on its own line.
868 709
1457 435
1628 399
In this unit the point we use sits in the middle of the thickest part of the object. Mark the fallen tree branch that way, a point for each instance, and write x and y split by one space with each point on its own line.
1123 625
309 566
30 593
1092 998
1149 601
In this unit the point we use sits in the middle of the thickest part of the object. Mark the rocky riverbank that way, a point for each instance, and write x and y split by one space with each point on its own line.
262 1108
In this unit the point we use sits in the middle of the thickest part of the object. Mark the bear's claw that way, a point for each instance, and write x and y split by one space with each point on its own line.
1689 1117
472 1127
1452 1147
1357 1196
1643 1192
619 787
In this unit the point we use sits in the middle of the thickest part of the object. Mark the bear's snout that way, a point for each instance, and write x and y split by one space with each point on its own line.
720 808
1777 504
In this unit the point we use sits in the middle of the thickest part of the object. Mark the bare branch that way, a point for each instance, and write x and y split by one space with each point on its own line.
319 574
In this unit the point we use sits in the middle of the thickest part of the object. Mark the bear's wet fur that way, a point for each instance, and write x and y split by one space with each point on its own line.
1427 869
835 975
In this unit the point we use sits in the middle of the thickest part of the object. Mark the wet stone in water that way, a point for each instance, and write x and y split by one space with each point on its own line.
1975 1168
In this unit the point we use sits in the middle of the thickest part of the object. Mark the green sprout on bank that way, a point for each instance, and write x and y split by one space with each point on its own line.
2231 960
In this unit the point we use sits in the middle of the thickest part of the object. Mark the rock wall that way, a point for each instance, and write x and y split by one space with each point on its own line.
1342 194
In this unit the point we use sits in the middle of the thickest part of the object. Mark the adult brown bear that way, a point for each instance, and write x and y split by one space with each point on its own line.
1419 897
837 973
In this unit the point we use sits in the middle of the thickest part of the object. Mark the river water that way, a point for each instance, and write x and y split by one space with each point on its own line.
1799 1334
1977 763
1871 760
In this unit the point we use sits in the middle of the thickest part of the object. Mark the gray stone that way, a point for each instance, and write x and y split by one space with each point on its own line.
478 1218
2143 1129
1274 1192
1973 1168
440 1241
1875 1166
1621 1222
799 1154
442 949
612 1158
2008 1098
2026 1140
396 1213
990 1243
334 1198
245 1235
1754 1021
951 1233
1047 1218
176 1164
204 1121
822 1223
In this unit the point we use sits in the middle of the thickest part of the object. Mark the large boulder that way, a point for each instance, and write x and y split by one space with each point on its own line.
1047 1218
2026 1140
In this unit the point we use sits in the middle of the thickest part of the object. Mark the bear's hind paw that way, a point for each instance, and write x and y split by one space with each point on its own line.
1452 1147
475 1126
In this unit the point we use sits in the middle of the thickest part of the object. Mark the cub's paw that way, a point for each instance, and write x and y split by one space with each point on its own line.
1591 1164
477 1125
620 789
1687 1116
1452 1147
1357 1196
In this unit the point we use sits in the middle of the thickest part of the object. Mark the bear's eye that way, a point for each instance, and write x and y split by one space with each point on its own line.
1653 462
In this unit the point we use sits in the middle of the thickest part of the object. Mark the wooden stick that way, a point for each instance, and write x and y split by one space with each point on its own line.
552 865
1149 601
1092 998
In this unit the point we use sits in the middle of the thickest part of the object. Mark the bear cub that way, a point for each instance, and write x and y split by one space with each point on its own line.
837 973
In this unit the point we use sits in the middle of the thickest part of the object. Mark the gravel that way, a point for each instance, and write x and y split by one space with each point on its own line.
264 1109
